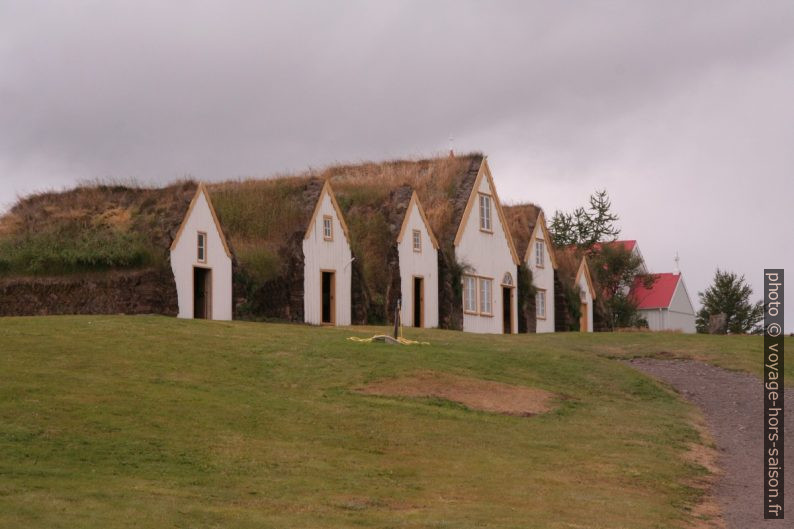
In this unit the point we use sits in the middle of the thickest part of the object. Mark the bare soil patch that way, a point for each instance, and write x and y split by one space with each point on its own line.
707 513
732 405
475 394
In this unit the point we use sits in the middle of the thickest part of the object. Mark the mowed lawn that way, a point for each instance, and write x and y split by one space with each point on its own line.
157 422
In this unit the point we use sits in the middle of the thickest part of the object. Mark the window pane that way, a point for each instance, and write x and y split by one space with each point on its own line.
201 246
485 296
469 293
485 212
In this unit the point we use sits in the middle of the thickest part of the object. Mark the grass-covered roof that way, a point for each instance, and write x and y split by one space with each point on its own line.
375 196
442 184
91 227
521 220
264 219
114 226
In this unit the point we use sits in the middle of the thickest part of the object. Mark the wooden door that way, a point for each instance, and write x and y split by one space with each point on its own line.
507 311
202 293
328 297
583 323
419 302
208 294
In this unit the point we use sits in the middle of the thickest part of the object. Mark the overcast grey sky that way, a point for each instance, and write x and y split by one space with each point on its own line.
682 110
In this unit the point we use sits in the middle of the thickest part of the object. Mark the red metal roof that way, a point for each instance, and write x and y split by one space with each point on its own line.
659 295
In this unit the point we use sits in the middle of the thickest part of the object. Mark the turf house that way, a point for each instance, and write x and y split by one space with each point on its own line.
531 235
202 263
293 248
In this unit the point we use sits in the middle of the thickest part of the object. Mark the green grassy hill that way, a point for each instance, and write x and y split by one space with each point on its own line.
158 422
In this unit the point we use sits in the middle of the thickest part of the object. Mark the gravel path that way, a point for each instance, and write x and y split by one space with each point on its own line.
732 406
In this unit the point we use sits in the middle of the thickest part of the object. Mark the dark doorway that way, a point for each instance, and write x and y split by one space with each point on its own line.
202 293
419 302
329 298
507 308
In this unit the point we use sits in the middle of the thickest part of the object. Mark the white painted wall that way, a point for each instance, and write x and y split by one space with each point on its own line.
319 255
543 278
488 254
655 317
681 322
184 257
423 264
680 316
636 251
588 298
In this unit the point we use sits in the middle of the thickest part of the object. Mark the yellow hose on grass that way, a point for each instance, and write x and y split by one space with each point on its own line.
387 339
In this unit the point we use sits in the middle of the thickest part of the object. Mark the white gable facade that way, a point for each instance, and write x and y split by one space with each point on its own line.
328 263
418 257
587 297
540 261
637 253
678 316
202 264
484 245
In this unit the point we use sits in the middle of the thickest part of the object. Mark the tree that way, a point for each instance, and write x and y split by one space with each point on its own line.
729 294
615 269
586 226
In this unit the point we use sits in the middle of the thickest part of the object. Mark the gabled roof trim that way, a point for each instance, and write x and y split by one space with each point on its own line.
686 293
541 222
199 190
486 171
327 189
585 268
415 202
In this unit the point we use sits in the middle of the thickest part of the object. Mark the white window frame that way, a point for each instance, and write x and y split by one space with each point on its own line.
480 301
470 294
328 228
540 253
417 240
486 213
541 301
201 247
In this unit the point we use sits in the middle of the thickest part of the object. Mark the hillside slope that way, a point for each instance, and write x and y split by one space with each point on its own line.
158 422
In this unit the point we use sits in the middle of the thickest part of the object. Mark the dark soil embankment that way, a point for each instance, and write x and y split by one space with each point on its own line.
150 291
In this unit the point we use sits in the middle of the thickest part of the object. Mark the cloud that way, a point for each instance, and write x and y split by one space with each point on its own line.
680 109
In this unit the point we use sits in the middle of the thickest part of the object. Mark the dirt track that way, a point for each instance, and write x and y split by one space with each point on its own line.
732 406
